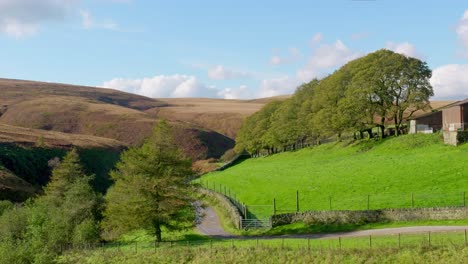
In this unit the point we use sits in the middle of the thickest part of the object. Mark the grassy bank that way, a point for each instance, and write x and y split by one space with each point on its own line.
412 170
443 248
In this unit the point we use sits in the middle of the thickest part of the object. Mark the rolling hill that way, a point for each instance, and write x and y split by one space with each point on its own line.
351 176
40 121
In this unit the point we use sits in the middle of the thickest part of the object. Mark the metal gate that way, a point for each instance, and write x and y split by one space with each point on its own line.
255 223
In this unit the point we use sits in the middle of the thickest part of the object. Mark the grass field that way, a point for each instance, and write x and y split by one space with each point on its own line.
408 248
412 170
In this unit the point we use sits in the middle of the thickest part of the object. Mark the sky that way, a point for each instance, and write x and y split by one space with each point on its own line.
225 49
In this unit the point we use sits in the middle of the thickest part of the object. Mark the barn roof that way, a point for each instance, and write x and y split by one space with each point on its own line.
457 103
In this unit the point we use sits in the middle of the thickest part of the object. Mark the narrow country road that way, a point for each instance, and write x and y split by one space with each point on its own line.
211 226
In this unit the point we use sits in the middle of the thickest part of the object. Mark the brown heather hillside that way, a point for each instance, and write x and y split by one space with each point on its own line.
222 116
104 113
53 139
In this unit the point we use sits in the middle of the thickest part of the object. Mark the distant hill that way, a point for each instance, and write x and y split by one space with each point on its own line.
99 112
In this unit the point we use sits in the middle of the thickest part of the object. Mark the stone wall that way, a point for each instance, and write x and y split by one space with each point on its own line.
371 216
232 210
450 138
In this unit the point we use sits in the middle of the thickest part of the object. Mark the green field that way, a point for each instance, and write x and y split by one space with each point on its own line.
411 170
407 248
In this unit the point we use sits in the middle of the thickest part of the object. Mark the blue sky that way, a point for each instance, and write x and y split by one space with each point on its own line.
224 49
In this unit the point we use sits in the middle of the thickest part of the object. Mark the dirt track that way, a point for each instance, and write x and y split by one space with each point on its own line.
211 226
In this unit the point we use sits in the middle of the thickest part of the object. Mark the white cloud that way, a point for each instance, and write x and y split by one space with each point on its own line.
316 39
450 81
241 92
293 55
163 86
88 22
20 18
278 86
404 48
325 58
219 72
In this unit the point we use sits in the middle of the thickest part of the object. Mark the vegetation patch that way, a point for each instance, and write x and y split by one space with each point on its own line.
401 172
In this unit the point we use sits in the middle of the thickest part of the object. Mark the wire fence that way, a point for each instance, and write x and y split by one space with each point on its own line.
393 241
300 201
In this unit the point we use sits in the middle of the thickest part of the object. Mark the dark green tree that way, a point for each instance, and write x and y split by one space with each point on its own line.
151 187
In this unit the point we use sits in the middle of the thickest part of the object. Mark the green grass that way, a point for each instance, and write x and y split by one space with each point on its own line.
390 173
301 228
407 248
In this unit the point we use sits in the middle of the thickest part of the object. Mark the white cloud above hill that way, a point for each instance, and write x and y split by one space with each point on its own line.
450 82
163 86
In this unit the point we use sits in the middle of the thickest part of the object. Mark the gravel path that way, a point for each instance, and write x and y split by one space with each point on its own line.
210 225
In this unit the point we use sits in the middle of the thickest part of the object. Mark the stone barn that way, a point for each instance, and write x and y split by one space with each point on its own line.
427 123
454 119
450 119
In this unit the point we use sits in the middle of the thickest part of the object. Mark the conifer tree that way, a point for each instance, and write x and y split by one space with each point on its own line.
151 187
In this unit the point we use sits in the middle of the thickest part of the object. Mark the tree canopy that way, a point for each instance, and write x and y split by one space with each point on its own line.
380 88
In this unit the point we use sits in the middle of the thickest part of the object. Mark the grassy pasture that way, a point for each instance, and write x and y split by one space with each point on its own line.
397 172
414 248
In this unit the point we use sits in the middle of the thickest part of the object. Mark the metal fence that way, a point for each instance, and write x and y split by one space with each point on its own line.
300 201
314 242
249 219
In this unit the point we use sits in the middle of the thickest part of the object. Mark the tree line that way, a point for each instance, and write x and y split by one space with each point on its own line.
150 190
361 98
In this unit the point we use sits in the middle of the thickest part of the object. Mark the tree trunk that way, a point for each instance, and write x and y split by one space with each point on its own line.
157 229
382 126
382 130
397 127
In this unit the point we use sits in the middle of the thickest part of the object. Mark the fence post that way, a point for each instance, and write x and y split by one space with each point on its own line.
370 241
297 201
308 244
274 206
412 200
429 237
464 200
399 240
246 212
339 242
211 244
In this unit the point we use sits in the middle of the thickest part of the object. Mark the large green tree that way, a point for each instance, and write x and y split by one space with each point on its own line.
391 86
151 187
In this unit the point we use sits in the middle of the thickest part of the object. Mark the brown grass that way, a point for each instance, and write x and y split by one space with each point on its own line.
37 137
220 115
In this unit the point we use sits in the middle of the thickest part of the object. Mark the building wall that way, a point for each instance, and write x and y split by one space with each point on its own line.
452 118
433 120
464 109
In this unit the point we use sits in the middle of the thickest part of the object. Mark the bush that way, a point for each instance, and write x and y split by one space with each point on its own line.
462 136
229 155
4 206
86 232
